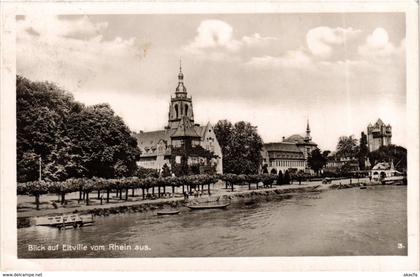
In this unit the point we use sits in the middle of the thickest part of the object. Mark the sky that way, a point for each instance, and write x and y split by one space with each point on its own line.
340 71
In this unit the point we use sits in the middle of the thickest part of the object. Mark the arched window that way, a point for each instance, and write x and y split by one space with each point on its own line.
176 110
186 109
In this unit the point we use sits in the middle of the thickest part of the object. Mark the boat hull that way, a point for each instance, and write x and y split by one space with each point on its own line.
167 212
206 207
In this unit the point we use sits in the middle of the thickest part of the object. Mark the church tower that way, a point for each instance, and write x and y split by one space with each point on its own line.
181 104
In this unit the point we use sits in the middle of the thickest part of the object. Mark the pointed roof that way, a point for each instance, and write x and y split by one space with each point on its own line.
180 88
379 122
185 129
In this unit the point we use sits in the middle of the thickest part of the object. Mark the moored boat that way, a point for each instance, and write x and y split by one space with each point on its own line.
62 221
168 212
391 180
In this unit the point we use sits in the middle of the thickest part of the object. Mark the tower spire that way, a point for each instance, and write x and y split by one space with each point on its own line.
180 89
308 131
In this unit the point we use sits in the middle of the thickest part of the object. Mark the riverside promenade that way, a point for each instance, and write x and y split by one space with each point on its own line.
26 208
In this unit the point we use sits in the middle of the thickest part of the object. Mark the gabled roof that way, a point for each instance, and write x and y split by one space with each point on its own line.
283 150
150 139
282 146
382 166
147 141
185 129
201 130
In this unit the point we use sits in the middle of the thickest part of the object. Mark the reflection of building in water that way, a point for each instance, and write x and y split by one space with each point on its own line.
181 137
290 154
378 135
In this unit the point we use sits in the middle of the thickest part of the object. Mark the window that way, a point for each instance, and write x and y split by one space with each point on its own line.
176 110
186 109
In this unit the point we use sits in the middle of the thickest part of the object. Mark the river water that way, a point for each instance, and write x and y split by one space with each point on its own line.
336 222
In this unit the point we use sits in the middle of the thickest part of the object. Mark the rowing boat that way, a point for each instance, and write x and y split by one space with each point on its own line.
168 212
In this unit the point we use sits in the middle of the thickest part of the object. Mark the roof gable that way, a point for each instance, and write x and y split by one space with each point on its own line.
185 129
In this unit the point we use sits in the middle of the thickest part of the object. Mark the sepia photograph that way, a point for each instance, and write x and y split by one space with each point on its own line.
194 135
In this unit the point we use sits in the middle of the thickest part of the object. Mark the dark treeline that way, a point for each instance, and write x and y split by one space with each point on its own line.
73 140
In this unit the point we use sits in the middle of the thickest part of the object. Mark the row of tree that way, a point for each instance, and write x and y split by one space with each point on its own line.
91 184
88 185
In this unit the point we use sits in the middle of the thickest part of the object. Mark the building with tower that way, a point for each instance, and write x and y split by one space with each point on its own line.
182 141
378 135
290 154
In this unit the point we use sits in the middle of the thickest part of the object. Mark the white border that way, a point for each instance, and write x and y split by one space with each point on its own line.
8 141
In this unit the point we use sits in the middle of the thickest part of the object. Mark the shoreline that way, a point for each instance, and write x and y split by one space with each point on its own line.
26 219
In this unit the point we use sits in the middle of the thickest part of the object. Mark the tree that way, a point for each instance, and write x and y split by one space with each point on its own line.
241 147
166 172
265 168
347 147
317 160
104 141
396 154
143 173
299 176
363 151
286 179
224 131
41 112
72 140
280 178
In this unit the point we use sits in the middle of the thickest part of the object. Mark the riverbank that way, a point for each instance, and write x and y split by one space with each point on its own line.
239 195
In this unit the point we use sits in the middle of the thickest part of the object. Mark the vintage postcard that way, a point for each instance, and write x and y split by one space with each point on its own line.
198 136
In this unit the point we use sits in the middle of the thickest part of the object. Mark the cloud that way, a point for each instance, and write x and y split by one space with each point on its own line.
213 33
81 27
215 41
257 40
321 40
73 52
377 45
293 59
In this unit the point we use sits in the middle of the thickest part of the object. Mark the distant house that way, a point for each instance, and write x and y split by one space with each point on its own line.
335 165
383 170
290 154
